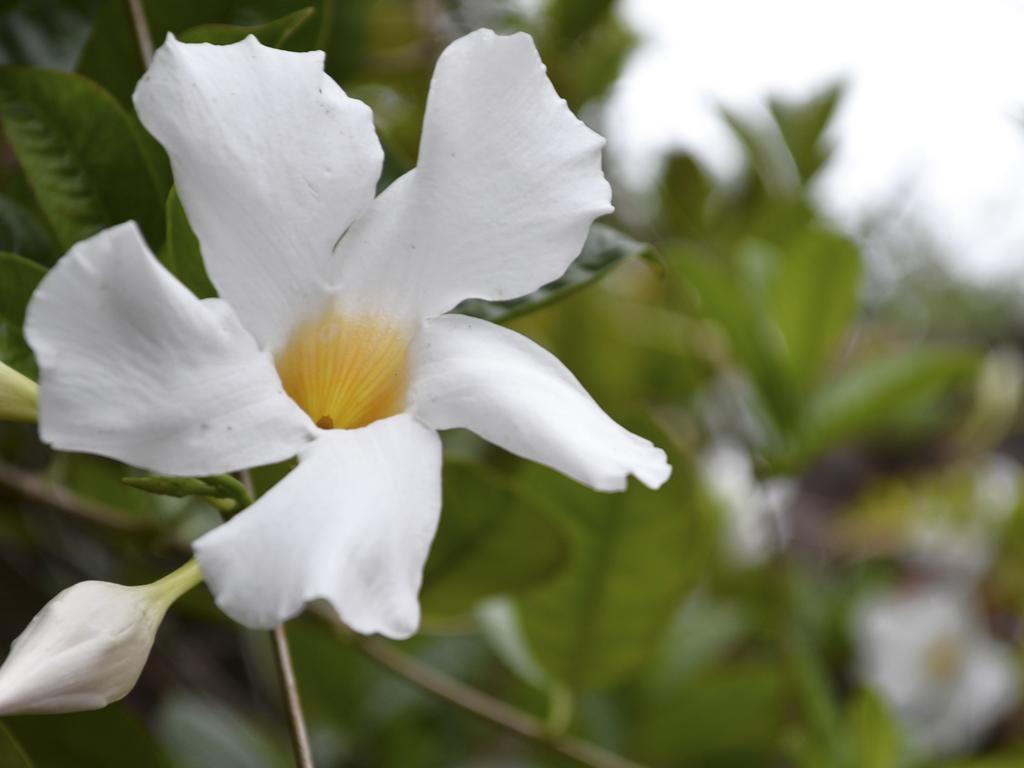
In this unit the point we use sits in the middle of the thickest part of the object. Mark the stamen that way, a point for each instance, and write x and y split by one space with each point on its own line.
346 372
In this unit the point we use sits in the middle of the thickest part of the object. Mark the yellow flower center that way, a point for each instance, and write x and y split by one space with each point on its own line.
944 658
345 371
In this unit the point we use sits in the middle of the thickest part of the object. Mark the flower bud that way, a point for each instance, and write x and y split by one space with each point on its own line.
18 396
86 648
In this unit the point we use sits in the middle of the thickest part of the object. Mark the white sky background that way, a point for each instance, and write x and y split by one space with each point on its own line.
933 117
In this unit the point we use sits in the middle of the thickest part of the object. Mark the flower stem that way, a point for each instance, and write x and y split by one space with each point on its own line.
286 675
177 583
142 34
286 672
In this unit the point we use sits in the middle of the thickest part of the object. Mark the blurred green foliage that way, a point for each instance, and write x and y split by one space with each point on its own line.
619 618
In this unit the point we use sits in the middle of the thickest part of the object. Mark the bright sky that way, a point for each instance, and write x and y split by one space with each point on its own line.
933 118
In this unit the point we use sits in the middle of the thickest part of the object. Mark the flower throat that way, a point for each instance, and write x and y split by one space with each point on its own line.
346 372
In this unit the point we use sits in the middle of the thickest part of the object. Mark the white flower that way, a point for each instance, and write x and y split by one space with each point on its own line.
332 314
86 648
957 539
754 512
943 675
18 395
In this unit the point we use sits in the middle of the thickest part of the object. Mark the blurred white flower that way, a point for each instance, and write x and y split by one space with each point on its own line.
86 648
18 395
928 654
755 512
960 543
330 339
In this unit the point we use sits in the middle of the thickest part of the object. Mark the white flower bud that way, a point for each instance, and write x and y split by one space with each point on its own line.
18 396
86 648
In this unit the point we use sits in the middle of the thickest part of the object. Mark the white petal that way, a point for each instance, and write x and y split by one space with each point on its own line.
272 162
474 374
507 184
134 367
352 525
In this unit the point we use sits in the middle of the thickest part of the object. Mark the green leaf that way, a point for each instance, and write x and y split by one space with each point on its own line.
817 697
43 33
604 249
181 253
814 295
85 158
632 557
734 294
111 55
771 165
493 539
22 232
875 739
11 753
573 19
274 33
222 487
729 715
205 733
108 738
803 125
20 278
877 396
685 192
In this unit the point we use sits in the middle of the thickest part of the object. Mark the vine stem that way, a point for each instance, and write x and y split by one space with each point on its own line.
286 675
142 34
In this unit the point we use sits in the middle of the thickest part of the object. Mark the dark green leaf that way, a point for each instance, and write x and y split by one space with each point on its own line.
11 753
493 539
22 232
44 33
181 253
632 557
274 33
20 278
111 56
107 738
204 733
85 158
604 249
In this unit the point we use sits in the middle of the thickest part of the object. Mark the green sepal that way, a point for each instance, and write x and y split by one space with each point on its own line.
223 491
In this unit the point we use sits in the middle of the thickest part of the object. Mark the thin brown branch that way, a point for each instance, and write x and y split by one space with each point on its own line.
35 487
488 708
286 674
142 33
290 687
